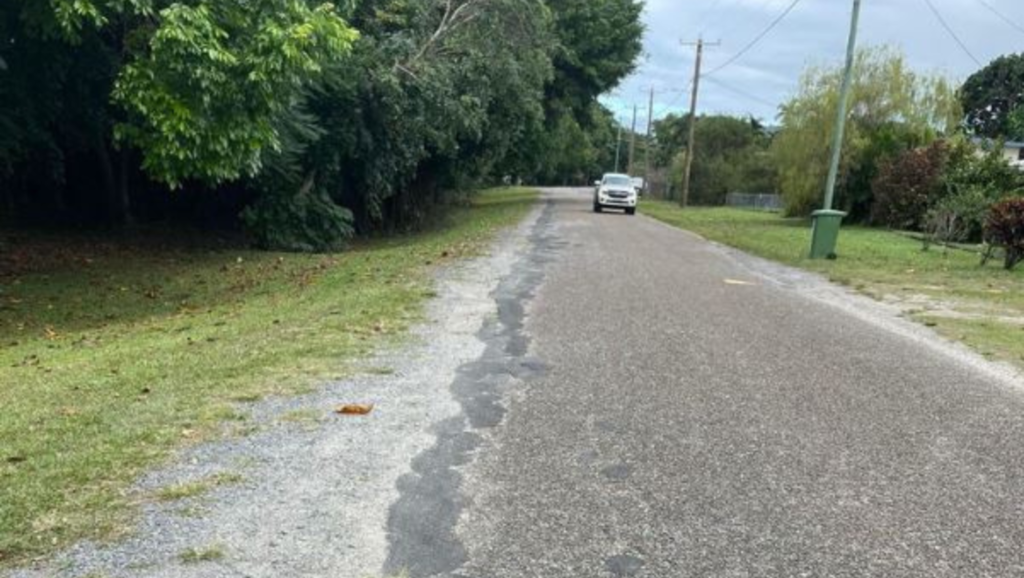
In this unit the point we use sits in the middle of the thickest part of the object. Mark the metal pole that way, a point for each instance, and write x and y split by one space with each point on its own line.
844 97
690 145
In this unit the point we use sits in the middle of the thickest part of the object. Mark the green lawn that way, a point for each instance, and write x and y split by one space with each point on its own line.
948 290
114 355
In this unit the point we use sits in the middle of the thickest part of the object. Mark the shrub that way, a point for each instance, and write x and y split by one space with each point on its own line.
1004 228
307 222
973 180
985 167
908 185
959 216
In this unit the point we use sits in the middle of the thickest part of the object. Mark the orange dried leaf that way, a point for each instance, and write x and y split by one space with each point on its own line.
355 409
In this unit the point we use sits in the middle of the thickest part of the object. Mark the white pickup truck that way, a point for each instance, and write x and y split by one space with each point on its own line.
615 191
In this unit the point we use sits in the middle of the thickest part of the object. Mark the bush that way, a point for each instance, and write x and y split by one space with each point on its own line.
1004 228
908 185
308 222
971 165
957 217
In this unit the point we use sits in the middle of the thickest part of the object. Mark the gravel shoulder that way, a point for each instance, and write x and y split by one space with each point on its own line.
308 492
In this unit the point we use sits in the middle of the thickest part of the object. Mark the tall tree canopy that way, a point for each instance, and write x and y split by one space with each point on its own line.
993 99
731 156
597 43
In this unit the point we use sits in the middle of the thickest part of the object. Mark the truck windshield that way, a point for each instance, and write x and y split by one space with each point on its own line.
620 181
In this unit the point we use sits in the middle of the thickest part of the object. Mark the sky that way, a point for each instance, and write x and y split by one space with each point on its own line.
814 32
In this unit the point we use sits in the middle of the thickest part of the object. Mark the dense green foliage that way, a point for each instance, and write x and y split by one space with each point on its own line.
731 156
598 43
206 99
944 189
892 109
973 180
364 115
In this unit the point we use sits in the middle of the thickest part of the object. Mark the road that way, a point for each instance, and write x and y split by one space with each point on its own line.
652 405
606 396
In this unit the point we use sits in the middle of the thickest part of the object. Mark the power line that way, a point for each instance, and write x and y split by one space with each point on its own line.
736 21
757 38
740 92
1002 16
956 38
664 108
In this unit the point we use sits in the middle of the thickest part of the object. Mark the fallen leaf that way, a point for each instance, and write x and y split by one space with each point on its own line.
50 333
355 409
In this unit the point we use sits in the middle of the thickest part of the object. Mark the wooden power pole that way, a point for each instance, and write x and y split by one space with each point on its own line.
690 142
647 142
618 145
632 144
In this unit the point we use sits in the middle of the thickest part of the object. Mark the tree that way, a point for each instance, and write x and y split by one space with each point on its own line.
195 90
206 99
436 95
732 156
596 45
319 120
892 108
992 99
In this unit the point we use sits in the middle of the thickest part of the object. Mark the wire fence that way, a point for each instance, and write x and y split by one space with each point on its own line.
754 201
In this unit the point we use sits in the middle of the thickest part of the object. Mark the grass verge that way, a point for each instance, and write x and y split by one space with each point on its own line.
197 488
120 355
946 289
207 554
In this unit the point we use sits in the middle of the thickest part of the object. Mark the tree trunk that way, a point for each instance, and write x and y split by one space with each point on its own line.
114 184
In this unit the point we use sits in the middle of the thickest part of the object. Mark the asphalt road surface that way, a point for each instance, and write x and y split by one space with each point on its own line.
650 404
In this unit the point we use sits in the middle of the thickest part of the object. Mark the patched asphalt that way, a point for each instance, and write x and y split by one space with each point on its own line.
696 412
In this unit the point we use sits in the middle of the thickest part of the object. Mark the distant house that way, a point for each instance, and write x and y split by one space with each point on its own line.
1013 151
